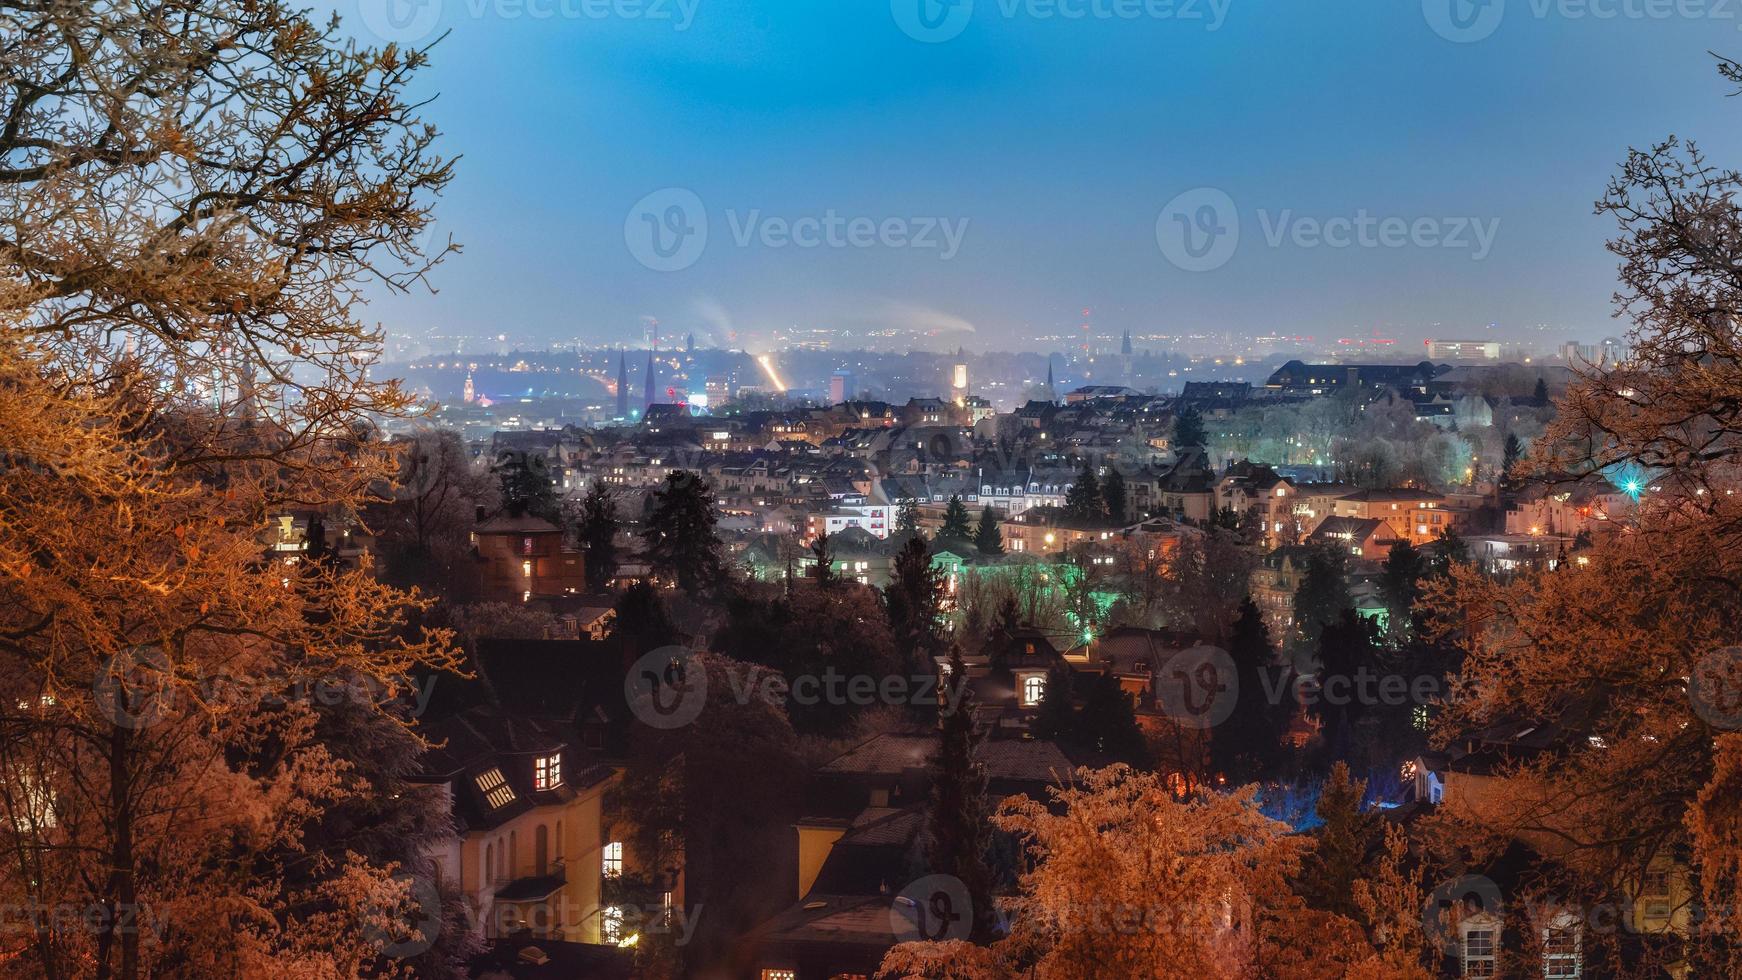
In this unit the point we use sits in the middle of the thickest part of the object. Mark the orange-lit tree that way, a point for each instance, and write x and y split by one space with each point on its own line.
196 192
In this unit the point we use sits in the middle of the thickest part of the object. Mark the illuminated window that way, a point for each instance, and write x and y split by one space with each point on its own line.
526 569
612 863
495 789
1479 959
1033 687
779 975
547 771
1561 958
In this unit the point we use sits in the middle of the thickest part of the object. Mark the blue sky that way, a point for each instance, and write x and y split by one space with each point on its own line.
1050 146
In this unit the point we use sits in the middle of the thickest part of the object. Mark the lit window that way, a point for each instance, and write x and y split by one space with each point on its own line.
547 772
495 788
526 569
779 975
1033 688
1560 951
1479 959
612 864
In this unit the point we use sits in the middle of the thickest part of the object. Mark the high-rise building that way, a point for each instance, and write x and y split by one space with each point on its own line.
1463 350
719 389
1125 345
840 387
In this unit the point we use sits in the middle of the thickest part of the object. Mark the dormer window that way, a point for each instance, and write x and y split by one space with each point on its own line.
547 772
495 788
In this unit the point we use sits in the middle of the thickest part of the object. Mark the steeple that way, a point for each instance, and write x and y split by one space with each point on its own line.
622 384
1051 392
1125 345
652 379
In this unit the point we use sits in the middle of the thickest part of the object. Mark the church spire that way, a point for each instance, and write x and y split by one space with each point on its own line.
622 384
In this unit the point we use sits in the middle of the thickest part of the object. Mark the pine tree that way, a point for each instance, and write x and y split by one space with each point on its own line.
987 537
526 486
914 603
1055 717
597 531
1323 593
1346 647
1511 452
824 560
1188 429
1541 393
1108 724
955 530
959 812
1400 587
1083 500
1338 857
681 542
1248 745
1113 492
907 517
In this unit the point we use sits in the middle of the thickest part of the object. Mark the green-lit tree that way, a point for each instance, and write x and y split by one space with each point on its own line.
987 537
597 530
681 541
1083 500
958 814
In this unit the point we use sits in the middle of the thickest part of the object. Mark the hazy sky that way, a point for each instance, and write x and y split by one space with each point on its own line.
996 166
